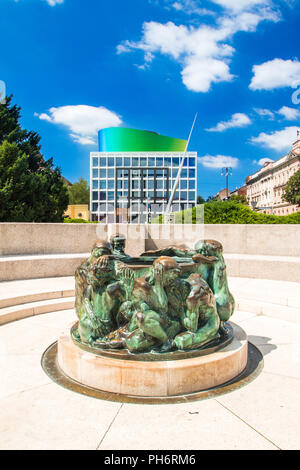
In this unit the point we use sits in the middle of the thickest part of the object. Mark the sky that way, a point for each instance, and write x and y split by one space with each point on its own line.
76 66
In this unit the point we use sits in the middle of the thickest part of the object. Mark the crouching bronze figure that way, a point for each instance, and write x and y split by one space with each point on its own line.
166 300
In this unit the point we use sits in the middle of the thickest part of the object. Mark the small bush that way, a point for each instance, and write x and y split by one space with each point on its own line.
75 221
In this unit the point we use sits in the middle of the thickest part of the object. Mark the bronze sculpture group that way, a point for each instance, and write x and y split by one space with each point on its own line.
165 300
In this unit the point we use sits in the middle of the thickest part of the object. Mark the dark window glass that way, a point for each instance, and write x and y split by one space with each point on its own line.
118 161
167 161
102 173
111 161
95 161
143 161
95 184
95 207
191 161
111 195
174 173
111 173
191 195
95 195
183 184
191 184
183 195
126 161
184 174
135 161
102 195
102 161
102 184
151 161
111 184
192 173
175 161
95 173
159 161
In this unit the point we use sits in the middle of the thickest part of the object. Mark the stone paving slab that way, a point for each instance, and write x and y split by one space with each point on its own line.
36 413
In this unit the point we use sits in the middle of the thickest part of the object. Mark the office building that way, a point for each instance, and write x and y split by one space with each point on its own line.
132 175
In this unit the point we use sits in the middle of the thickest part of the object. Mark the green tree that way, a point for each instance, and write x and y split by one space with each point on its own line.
240 199
200 200
31 189
79 192
291 192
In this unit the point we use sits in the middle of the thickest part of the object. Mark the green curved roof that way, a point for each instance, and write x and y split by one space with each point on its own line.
123 139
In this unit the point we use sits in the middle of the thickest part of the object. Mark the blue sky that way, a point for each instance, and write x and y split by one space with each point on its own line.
78 65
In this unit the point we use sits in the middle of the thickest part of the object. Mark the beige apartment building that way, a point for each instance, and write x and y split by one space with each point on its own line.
265 187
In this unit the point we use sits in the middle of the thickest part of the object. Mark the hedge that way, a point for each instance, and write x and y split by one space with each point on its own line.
226 212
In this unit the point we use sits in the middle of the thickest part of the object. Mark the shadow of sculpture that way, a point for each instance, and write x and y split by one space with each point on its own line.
262 343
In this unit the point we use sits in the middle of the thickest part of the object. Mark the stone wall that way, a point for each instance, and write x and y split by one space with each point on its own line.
35 239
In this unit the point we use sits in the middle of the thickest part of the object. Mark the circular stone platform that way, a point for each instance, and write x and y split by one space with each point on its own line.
153 379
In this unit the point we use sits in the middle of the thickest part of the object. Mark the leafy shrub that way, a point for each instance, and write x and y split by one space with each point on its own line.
226 212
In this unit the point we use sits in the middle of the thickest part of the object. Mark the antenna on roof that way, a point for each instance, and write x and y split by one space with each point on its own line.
180 169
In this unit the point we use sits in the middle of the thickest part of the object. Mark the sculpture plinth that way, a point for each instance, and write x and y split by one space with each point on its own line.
155 325
153 378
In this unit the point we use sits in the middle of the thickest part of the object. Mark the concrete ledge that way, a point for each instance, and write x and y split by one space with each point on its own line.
285 268
34 290
39 266
281 268
13 313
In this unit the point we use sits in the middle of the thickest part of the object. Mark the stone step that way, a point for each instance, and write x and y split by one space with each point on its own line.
273 310
281 268
17 312
33 290
39 266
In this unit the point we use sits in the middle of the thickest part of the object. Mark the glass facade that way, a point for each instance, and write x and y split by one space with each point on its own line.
142 181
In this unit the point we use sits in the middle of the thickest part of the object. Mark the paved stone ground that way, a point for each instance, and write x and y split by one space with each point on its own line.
36 413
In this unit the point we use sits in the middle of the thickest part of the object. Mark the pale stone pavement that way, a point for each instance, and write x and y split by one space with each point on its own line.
36 413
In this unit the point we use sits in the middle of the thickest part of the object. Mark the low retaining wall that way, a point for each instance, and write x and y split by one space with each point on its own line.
26 238
29 251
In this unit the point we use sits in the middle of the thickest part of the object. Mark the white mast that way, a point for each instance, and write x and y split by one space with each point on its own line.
179 170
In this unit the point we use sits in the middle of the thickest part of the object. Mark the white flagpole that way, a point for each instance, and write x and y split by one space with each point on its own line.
180 169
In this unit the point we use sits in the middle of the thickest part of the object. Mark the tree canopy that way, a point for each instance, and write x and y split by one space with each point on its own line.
291 192
31 188
79 192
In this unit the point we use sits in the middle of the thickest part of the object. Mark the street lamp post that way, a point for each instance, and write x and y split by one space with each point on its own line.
226 171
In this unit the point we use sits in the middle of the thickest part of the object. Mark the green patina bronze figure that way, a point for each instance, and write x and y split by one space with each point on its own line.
166 300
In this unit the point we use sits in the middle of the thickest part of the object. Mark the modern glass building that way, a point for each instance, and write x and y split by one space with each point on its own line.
132 175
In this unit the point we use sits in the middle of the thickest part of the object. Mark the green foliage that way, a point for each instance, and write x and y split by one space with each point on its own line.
31 189
67 220
240 199
227 212
200 200
79 192
291 192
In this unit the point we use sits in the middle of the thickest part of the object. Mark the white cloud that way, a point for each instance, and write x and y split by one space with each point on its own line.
204 52
240 5
218 161
277 140
82 121
290 114
276 73
265 113
262 161
190 7
52 3
237 120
